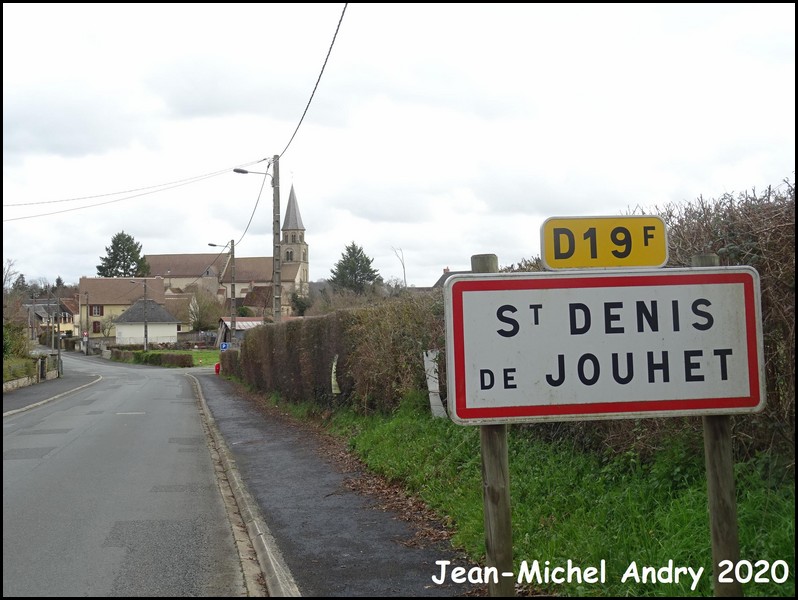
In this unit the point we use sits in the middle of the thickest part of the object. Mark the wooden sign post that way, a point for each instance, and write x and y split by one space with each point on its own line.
496 483
720 485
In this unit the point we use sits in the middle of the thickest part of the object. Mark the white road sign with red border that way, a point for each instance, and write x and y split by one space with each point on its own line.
579 345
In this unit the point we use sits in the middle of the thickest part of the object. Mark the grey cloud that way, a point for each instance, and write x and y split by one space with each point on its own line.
211 87
65 123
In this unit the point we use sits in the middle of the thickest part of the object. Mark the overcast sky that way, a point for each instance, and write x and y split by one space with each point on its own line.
437 131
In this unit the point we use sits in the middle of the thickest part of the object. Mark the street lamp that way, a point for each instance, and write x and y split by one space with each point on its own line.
276 258
232 287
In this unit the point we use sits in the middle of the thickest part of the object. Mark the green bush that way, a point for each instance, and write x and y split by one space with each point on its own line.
162 359
177 360
15 340
15 367
229 362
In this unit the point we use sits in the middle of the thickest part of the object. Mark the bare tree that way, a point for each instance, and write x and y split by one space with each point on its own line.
9 273
106 325
204 310
401 256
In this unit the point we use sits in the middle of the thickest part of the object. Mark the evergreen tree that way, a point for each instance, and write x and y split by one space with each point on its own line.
300 304
124 258
354 271
20 285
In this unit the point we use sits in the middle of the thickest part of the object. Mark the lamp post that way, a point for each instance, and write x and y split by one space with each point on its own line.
232 287
276 258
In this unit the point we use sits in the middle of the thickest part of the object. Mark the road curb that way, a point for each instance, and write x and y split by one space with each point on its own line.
46 400
278 578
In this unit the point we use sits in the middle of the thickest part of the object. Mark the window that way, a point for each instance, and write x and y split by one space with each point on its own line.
289 255
95 327
293 238
96 310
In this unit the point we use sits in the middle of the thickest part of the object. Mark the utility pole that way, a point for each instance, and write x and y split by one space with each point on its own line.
145 315
52 316
87 323
60 364
276 275
233 291
276 257
233 302
34 329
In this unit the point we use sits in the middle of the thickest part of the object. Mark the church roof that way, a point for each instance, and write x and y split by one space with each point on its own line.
187 265
250 269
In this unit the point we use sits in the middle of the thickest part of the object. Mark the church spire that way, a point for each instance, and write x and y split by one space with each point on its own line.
293 220
294 248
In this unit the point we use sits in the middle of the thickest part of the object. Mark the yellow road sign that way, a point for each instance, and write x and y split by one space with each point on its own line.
603 242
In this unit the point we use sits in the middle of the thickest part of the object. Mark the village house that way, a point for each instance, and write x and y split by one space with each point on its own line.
183 274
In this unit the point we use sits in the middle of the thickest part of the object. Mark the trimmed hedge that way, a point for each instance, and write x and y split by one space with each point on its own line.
377 348
157 359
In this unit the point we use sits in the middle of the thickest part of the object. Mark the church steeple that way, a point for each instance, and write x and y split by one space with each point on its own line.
293 220
293 246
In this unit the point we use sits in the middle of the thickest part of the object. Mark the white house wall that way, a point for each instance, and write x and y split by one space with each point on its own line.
130 334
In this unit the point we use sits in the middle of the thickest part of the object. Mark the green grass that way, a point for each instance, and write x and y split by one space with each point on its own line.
568 504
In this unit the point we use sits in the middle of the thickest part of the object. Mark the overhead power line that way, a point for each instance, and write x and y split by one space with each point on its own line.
179 183
144 192
317 80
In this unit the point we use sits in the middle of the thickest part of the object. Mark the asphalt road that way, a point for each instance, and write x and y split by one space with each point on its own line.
110 489
312 535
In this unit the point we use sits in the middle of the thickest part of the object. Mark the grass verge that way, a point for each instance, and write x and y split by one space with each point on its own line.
571 505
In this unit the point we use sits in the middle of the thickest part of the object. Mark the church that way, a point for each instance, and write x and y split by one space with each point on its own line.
254 287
